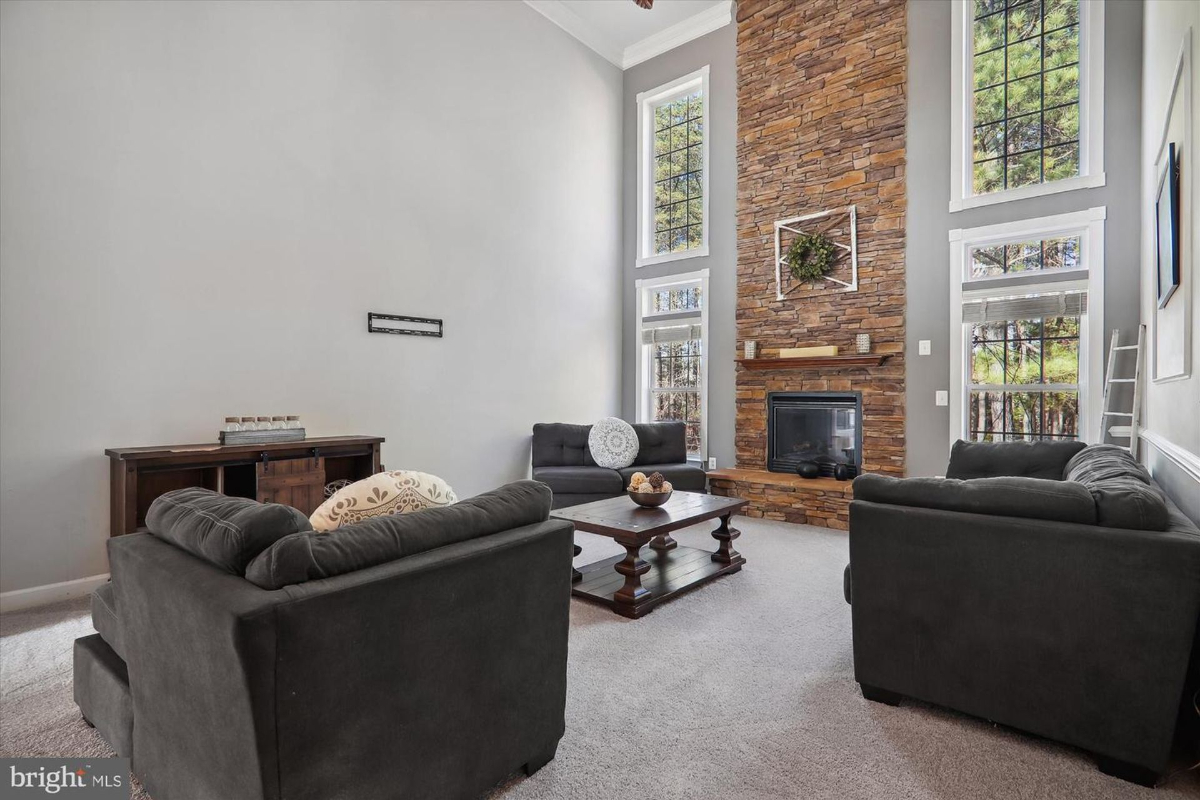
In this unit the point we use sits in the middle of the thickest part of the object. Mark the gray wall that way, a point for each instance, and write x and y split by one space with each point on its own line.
1171 410
718 50
929 221
200 201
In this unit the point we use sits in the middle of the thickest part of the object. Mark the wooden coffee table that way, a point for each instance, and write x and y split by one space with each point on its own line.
631 586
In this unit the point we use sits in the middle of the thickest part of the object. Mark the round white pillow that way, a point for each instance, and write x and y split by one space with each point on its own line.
397 492
613 442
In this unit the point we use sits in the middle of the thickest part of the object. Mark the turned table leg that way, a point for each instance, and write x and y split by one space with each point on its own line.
629 597
576 575
725 535
662 544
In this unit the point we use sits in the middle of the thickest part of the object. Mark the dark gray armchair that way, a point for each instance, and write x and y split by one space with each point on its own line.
432 675
1016 598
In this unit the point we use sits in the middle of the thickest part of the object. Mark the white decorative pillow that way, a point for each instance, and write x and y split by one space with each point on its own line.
384 493
613 442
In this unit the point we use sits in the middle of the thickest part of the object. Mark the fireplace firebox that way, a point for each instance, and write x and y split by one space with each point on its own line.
821 427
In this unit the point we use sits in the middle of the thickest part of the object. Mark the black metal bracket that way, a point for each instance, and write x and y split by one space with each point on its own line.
266 457
433 323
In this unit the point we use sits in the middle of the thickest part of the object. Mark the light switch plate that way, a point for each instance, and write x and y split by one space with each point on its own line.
924 347
941 397
712 463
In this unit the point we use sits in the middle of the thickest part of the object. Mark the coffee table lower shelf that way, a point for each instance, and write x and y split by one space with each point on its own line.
672 572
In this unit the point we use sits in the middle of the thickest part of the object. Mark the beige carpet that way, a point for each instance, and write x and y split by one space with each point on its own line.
742 689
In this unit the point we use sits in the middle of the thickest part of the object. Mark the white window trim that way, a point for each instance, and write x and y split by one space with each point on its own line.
642 413
645 164
1089 226
1091 112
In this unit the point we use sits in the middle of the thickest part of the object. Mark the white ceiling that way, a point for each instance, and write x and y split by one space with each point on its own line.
625 24
627 35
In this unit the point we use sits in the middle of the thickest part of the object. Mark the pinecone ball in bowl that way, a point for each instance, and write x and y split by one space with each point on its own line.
649 492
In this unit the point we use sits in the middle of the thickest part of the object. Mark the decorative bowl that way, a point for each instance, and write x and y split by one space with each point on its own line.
648 499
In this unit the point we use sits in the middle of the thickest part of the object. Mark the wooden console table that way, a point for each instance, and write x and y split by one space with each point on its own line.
294 473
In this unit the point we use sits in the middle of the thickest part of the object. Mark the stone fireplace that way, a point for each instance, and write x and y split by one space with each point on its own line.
821 125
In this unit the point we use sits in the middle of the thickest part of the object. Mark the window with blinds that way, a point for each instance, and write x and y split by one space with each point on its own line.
1024 367
672 337
1029 363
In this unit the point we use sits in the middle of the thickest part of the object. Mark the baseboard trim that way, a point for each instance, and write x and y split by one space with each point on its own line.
50 593
1187 461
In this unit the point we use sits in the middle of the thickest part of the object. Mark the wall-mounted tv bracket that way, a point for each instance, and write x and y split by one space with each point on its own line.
419 326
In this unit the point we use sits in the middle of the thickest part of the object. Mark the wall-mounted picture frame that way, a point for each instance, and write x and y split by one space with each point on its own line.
1166 224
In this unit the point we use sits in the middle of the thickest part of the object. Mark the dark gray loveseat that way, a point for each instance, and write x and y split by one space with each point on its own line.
1066 608
562 461
416 656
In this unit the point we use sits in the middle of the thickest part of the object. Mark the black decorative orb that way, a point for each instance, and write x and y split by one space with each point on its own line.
808 469
842 472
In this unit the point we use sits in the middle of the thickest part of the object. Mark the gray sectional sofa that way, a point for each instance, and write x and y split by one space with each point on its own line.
1046 586
562 461
240 655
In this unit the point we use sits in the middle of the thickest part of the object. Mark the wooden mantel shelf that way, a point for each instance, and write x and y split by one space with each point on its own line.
870 360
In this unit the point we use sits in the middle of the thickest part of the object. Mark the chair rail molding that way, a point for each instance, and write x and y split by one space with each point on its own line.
1186 460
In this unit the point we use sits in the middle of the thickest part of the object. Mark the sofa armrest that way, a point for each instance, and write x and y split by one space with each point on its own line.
1077 632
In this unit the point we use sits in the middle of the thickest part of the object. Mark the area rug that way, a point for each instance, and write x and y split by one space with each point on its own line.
743 689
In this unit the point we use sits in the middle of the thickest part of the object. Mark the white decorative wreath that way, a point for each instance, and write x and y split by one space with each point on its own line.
613 442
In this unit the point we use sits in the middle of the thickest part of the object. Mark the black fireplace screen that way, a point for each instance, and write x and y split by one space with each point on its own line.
822 427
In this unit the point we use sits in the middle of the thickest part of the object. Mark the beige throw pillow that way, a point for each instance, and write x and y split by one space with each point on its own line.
397 492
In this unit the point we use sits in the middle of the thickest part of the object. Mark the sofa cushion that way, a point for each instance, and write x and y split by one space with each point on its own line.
561 444
613 443
579 480
1037 459
310 555
1123 491
660 443
105 619
682 477
1030 498
227 532
396 492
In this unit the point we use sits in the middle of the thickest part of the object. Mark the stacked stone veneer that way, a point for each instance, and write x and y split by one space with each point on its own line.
821 116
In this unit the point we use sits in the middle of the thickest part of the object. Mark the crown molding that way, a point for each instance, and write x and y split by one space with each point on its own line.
682 32
558 13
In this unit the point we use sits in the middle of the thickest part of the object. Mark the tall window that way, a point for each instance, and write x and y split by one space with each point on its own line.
672 359
673 170
1027 297
1028 94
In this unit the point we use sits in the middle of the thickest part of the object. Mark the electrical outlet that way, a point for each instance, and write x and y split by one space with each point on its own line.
712 463
941 397
924 347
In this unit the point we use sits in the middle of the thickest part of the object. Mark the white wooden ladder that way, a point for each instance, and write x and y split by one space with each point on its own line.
1126 434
